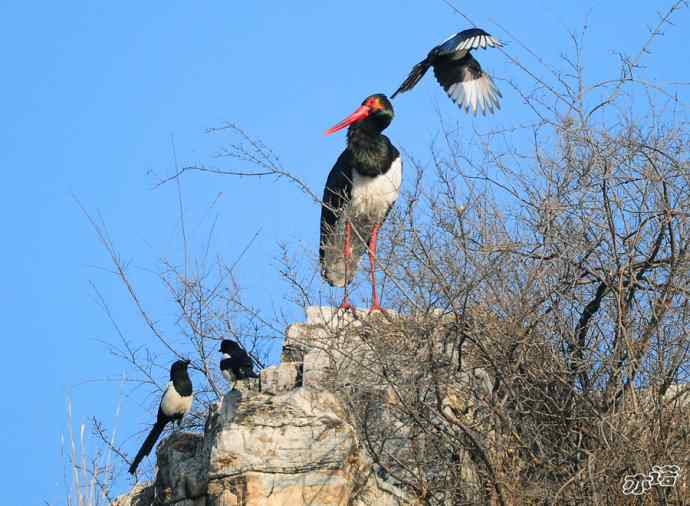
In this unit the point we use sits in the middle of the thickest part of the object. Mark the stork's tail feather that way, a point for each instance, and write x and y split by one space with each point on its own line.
148 445
335 270
416 74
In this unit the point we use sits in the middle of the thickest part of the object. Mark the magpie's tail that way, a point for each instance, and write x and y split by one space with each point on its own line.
148 445
416 74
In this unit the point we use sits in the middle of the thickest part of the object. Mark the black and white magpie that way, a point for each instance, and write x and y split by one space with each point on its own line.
236 364
459 73
175 403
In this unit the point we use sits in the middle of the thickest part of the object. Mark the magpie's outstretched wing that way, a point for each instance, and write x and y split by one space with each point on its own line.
466 40
467 84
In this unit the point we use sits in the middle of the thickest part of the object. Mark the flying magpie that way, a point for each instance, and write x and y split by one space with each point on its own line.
236 363
175 403
459 73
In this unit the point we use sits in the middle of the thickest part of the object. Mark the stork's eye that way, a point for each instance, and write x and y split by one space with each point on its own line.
375 104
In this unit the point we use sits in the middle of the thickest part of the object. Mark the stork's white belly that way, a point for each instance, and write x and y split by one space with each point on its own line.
173 403
373 196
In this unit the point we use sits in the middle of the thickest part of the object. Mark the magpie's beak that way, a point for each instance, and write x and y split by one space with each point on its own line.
187 362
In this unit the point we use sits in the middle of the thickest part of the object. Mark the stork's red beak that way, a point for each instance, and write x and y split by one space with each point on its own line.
356 116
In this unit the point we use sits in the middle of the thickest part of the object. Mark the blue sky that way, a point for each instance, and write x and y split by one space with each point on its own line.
91 97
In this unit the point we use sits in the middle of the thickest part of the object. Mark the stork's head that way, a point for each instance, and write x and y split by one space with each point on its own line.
375 114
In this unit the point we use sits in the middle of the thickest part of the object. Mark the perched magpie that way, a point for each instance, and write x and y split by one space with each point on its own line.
175 403
459 73
236 363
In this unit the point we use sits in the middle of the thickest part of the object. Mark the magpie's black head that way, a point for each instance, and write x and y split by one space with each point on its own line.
374 115
179 368
228 346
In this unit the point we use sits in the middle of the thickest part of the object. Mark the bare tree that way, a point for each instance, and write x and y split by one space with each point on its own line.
542 292
205 298
539 352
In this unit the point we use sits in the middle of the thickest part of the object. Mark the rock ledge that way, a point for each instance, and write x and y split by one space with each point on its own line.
291 443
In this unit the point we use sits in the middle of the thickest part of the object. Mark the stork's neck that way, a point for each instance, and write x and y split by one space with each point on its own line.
370 150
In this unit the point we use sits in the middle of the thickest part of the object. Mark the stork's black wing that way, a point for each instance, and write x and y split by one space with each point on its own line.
336 198
336 195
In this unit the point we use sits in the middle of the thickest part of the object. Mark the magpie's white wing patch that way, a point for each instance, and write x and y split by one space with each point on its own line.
476 94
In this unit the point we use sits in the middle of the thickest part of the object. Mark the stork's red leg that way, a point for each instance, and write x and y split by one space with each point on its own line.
347 254
375 305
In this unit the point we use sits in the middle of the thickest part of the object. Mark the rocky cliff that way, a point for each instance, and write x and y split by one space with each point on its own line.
289 443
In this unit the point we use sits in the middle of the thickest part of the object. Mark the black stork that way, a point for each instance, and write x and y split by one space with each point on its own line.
360 190
459 73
